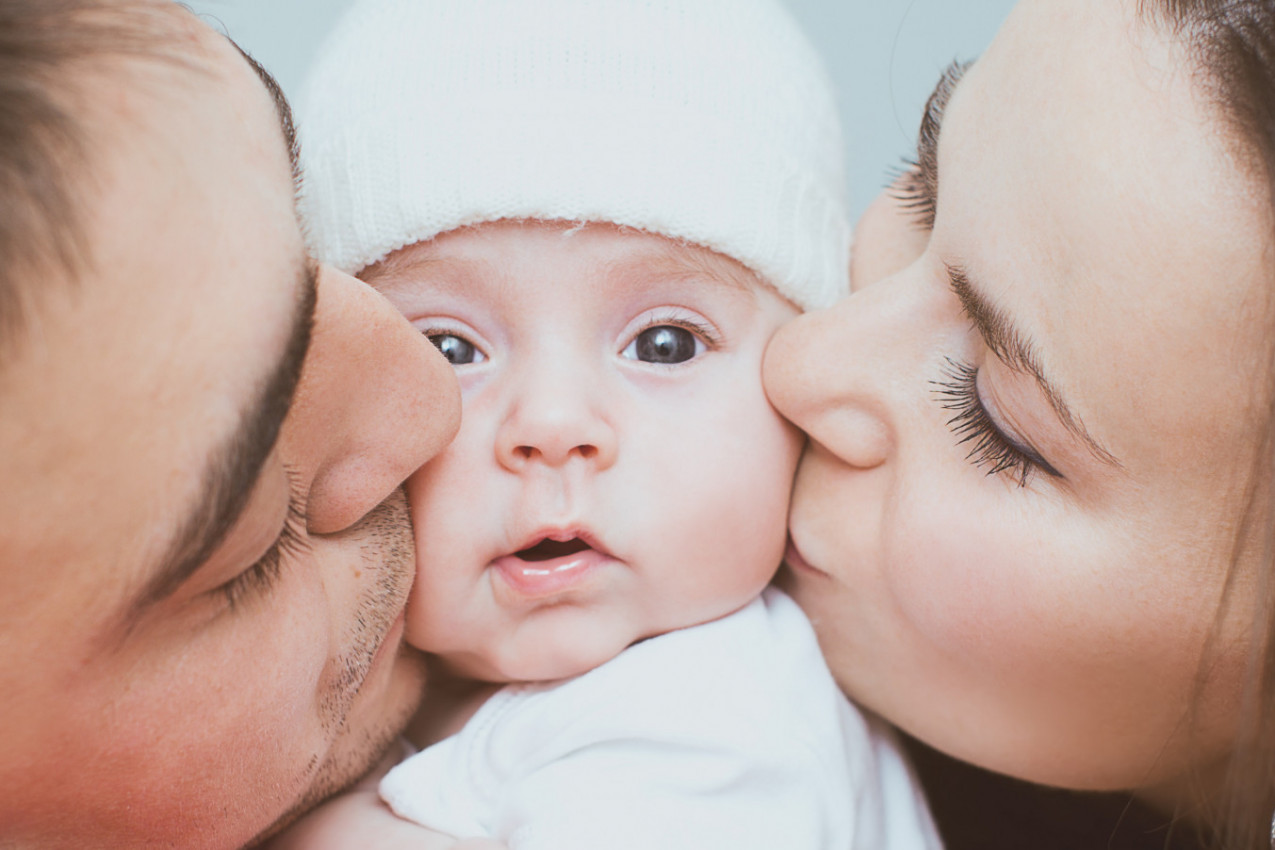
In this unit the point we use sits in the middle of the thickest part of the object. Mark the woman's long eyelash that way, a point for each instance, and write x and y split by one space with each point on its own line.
916 186
909 187
988 447
261 576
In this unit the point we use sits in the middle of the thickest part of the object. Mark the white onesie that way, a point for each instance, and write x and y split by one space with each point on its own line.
731 734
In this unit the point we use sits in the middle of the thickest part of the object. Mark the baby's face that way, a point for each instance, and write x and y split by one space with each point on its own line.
618 473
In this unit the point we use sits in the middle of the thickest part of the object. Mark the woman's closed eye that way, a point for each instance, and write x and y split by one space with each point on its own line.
988 446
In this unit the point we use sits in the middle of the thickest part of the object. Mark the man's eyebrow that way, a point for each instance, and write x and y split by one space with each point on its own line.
234 467
1013 349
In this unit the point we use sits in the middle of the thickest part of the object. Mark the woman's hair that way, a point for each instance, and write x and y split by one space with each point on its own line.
1232 44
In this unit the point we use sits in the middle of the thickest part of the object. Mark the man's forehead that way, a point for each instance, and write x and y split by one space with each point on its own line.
168 47
282 108
168 367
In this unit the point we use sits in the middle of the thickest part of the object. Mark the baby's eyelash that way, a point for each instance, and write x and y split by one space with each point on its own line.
712 338
970 422
261 576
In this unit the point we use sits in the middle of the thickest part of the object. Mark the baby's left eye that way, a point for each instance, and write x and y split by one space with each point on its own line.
665 344
458 350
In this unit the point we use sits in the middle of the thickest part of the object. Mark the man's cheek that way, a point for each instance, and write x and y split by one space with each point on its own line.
239 701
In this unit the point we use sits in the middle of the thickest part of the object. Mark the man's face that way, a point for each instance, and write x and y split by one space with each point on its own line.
168 674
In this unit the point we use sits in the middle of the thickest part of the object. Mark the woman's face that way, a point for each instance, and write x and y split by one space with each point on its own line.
1031 426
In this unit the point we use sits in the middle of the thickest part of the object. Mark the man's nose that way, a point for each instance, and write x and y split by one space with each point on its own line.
556 414
376 401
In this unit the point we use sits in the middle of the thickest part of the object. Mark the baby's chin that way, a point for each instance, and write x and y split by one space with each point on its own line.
545 658
557 641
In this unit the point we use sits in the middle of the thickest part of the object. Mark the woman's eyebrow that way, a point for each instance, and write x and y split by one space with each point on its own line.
1014 349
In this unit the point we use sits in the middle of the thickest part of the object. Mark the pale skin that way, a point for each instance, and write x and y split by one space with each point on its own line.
1049 620
144 705
662 474
1052 630
669 461
1040 620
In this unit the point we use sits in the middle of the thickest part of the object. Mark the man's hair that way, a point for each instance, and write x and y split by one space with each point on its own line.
1231 43
46 47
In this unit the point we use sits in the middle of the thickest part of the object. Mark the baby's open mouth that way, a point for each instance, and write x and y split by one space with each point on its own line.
547 550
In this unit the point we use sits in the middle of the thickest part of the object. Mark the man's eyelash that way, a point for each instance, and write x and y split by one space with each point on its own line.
261 576
970 422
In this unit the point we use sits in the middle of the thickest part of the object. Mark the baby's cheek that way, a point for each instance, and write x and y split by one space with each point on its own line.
416 614
755 529
417 618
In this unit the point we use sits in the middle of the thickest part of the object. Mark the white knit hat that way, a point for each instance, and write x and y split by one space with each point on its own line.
709 121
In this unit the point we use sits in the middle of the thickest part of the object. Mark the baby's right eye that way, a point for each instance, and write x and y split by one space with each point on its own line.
458 350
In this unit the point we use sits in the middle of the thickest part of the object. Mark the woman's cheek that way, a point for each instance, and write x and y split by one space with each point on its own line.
975 582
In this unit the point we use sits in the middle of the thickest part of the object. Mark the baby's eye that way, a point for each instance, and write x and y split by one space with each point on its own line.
664 344
458 350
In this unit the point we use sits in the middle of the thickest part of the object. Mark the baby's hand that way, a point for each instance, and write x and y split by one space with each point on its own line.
359 820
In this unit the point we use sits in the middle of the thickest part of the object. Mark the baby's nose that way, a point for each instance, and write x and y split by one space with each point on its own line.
555 425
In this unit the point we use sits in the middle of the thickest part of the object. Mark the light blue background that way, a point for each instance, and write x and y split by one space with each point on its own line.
884 55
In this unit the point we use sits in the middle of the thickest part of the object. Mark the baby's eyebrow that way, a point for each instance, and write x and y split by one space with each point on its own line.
397 273
681 263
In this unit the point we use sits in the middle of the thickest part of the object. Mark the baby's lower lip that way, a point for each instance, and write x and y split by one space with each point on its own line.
541 579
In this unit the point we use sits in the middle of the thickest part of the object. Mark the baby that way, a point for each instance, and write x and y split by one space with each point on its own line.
599 211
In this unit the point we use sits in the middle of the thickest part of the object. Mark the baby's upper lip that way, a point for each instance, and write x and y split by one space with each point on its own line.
556 541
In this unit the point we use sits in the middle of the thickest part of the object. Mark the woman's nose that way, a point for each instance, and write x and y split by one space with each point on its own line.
852 376
376 401
555 415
